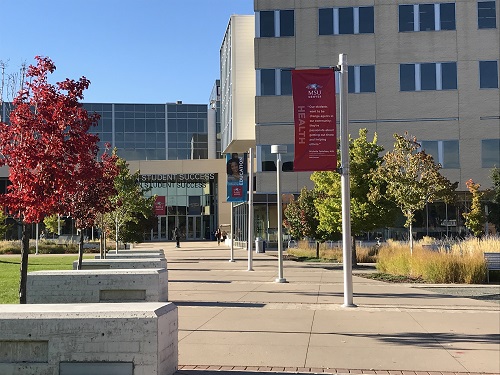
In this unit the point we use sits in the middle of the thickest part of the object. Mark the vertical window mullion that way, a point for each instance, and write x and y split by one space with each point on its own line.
258 85
336 21
437 17
356 20
277 81
416 18
277 23
418 82
357 79
440 153
257 24
439 76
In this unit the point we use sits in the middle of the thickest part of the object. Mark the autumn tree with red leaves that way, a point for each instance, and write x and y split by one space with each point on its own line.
52 158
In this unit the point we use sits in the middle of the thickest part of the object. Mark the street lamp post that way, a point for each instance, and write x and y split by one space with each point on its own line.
278 150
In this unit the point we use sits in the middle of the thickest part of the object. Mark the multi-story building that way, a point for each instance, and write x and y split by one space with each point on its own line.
169 145
427 68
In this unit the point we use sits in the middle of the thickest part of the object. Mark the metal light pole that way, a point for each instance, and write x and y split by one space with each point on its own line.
231 259
250 209
278 150
345 184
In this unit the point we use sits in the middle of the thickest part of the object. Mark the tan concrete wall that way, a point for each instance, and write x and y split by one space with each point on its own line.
468 114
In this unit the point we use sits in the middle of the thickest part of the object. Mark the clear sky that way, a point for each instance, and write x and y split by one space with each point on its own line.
142 51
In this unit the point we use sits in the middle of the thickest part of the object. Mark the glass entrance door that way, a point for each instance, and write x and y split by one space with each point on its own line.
194 228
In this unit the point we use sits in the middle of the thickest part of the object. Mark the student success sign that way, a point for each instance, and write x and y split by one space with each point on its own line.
315 120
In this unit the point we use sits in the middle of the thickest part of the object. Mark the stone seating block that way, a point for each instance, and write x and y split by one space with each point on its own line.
134 263
94 286
95 338
130 255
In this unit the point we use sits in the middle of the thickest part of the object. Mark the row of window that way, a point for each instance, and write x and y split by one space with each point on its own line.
445 153
361 20
412 77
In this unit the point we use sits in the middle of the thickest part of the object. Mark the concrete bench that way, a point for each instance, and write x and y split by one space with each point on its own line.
492 262
136 263
94 286
130 255
95 338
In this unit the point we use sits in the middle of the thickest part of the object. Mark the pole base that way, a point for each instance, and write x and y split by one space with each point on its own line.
280 280
345 305
231 260
250 269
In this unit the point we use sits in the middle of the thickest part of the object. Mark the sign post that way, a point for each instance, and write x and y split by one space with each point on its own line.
345 184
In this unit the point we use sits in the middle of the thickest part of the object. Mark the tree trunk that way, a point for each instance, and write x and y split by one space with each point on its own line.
25 248
102 251
353 252
116 236
411 240
317 249
80 251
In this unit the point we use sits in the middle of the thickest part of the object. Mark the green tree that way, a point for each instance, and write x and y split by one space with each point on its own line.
412 179
494 203
51 223
475 218
129 204
301 218
366 214
4 227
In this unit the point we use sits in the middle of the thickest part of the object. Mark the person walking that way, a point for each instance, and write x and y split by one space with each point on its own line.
177 237
218 235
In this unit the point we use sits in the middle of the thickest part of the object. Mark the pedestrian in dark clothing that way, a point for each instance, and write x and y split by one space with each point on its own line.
218 235
177 237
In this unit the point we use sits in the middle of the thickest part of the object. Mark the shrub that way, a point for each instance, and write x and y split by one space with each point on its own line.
464 263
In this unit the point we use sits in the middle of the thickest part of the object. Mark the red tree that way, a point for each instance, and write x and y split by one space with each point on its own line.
93 195
48 150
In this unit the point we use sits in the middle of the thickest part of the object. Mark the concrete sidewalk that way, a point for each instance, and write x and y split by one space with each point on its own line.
233 319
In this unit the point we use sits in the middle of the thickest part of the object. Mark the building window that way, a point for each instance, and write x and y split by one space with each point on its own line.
488 74
352 20
428 76
490 153
267 161
445 153
361 78
274 81
486 15
275 23
427 17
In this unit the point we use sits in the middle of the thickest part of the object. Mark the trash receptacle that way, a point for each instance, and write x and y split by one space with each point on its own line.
259 245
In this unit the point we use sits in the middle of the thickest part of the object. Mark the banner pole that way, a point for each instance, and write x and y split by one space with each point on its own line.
345 183
231 259
250 209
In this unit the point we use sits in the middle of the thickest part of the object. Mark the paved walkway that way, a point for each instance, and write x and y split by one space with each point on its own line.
231 319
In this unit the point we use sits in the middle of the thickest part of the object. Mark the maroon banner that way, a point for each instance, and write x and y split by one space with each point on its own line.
160 205
314 110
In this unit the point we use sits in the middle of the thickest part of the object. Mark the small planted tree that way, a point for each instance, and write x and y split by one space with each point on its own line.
301 217
93 196
494 204
129 204
45 147
366 214
411 179
475 218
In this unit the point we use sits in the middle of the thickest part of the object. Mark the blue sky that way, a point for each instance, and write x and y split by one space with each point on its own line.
142 51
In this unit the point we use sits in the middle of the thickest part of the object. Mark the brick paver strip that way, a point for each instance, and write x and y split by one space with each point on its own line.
338 371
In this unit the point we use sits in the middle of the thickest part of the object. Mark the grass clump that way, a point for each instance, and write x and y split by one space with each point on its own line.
306 251
464 263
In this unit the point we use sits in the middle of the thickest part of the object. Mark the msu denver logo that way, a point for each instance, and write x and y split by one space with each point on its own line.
314 90
313 86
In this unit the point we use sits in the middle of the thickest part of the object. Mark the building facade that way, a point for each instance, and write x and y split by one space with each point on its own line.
427 68
169 145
